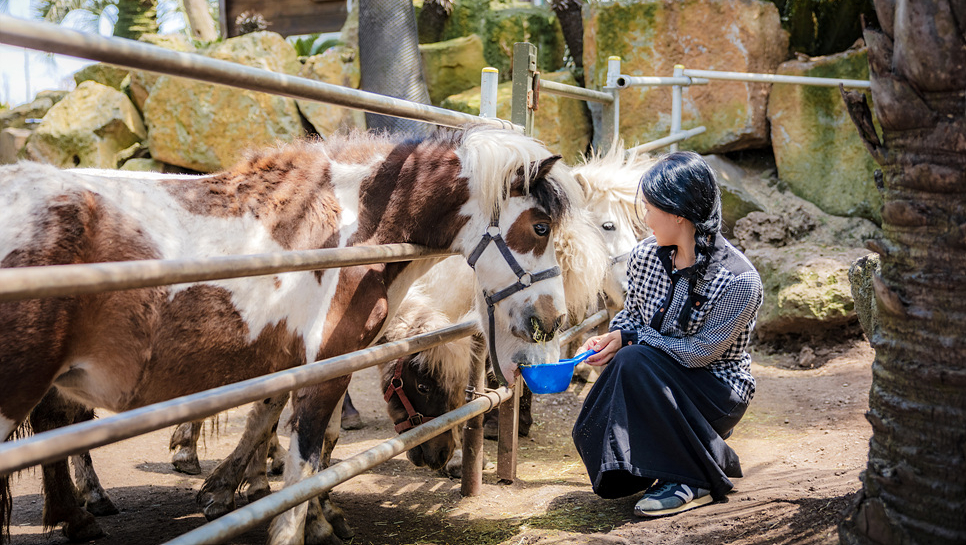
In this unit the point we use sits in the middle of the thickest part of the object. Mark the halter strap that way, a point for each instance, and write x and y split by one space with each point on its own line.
524 281
414 418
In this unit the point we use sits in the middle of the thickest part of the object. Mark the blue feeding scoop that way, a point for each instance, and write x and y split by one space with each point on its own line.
550 378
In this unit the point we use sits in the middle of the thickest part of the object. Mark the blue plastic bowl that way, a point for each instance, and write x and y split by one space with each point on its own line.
551 378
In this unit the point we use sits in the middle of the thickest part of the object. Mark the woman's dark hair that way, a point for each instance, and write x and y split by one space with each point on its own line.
683 184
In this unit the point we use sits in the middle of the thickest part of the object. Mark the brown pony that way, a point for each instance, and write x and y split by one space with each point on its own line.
492 195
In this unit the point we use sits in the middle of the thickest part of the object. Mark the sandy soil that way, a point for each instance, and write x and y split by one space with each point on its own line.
802 445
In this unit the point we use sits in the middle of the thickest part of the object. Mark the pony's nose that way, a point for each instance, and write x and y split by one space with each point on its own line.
542 328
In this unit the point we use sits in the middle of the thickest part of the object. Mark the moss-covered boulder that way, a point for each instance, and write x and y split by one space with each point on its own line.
88 128
818 152
207 127
103 73
25 115
563 124
502 24
144 164
339 66
806 288
452 66
653 36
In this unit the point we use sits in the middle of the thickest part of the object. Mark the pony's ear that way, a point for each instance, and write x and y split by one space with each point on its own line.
540 169
584 184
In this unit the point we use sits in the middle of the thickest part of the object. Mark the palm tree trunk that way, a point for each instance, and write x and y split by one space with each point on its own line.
914 487
136 17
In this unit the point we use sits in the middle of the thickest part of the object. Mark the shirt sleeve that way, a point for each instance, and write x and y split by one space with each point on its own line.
732 313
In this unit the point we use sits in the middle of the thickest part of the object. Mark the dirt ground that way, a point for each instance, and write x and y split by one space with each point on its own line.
802 445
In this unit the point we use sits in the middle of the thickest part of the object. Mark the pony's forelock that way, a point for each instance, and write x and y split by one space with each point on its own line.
615 177
495 156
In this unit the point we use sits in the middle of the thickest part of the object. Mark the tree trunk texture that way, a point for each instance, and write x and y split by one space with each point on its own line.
432 19
571 20
914 487
200 21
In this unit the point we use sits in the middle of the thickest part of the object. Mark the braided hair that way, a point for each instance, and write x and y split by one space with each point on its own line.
683 184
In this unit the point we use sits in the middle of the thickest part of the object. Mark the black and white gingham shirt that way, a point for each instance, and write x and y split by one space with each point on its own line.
723 305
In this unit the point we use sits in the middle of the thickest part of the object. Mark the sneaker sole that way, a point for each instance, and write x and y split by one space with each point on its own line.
698 502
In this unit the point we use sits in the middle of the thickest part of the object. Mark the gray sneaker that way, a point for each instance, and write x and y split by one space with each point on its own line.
666 498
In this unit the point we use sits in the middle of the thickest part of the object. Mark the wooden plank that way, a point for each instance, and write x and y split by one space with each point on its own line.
288 17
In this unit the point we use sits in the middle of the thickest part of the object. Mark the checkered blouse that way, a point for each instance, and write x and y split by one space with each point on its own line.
707 327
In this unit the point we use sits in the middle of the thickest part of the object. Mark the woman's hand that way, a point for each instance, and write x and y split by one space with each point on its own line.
605 345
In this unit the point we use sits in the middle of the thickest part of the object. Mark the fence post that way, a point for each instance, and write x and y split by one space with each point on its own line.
489 81
524 94
610 117
676 105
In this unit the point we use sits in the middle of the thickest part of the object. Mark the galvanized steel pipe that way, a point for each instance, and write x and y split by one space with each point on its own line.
62 442
570 335
489 83
253 514
141 56
572 91
623 82
62 280
776 78
661 142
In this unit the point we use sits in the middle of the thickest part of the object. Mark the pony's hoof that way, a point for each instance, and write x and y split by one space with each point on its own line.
189 465
255 494
213 507
101 508
277 467
352 422
83 529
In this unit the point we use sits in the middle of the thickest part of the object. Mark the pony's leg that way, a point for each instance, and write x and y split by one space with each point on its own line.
217 494
256 475
351 419
184 441
313 410
331 437
277 453
60 496
90 493
526 412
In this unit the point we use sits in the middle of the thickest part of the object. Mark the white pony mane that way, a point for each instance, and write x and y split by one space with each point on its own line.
583 261
449 363
615 177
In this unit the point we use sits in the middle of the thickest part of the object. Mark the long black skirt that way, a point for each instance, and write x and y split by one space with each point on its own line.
648 417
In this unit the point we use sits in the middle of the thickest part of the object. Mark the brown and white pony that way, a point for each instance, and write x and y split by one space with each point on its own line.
466 191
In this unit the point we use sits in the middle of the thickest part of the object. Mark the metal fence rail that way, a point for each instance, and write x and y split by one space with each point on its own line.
81 279
776 78
245 518
141 56
61 442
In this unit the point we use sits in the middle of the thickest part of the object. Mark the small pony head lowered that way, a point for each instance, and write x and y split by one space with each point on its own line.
513 253
427 384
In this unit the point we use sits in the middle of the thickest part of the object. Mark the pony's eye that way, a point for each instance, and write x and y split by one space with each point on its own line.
608 226
541 229
423 388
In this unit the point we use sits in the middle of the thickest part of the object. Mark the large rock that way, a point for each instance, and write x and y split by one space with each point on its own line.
563 124
501 25
142 82
88 128
26 115
737 201
12 142
802 254
103 73
207 127
452 66
339 66
817 150
653 36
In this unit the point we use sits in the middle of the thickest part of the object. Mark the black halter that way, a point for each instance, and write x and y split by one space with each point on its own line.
524 281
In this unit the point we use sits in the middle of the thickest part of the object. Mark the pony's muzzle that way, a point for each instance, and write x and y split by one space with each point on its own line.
539 327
